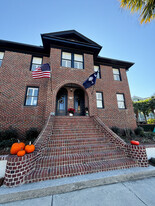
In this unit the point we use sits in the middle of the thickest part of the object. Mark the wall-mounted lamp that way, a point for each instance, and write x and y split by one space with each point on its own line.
71 89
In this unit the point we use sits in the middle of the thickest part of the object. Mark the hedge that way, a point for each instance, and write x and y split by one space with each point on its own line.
147 127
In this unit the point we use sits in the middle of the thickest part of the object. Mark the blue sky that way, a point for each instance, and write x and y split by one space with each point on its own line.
103 21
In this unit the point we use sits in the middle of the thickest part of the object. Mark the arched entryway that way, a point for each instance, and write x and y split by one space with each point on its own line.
71 96
79 102
61 102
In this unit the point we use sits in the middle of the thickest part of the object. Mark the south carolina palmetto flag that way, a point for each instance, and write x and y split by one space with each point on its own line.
42 72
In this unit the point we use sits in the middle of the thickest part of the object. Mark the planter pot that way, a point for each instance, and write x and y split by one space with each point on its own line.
70 114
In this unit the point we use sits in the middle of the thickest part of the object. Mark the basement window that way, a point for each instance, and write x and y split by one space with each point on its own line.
31 98
1 57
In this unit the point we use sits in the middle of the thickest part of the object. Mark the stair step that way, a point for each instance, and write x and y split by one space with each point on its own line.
77 135
68 159
78 149
73 131
78 141
78 169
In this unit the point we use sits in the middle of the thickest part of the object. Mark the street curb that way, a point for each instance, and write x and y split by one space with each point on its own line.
64 185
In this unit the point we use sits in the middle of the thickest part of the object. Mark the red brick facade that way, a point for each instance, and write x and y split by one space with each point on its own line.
15 77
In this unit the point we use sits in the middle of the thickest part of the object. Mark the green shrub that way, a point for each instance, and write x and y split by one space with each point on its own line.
151 121
116 130
148 127
10 134
127 132
32 134
1 135
139 131
7 143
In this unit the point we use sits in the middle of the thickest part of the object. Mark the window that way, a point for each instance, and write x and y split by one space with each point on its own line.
116 74
78 61
72 60
1 57
120 101
97 68
36 62
66 59
99 99
31 96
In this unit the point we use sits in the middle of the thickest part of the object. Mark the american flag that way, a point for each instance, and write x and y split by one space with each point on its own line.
42 72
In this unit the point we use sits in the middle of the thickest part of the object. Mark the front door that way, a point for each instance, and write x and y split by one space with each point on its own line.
61 102
79 103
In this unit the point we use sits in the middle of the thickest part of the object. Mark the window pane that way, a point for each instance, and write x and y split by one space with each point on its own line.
121 105
99 95
66 63
78 65
120 97
28 100
34 101
116 77
37 60
34 66
115 71
99 104
96 68
36 92
1 55
66 55
29 91
78 57
0 63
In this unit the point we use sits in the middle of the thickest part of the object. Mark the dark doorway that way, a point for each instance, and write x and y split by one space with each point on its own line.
79 102
61 106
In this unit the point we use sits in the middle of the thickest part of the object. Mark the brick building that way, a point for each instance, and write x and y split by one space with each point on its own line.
67 146
26 102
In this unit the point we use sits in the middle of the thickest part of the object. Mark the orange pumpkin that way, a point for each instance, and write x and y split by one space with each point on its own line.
134 142
22 145
29 148
15 148
21 153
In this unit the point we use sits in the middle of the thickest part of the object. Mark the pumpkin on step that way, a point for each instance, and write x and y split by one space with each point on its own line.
29 148
21 153
22 145
17 147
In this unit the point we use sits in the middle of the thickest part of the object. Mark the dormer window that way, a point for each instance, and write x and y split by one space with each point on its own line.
72 60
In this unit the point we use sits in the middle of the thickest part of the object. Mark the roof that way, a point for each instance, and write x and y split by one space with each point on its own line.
70 39
67 40
113 62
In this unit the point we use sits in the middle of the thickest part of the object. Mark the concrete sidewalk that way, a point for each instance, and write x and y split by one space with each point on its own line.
139 193
70 184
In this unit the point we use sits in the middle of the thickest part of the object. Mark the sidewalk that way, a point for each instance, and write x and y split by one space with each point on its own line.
50 190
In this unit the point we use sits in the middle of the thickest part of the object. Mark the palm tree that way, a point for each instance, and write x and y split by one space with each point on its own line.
145 7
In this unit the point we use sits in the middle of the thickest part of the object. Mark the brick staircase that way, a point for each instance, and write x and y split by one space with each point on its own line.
76 146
